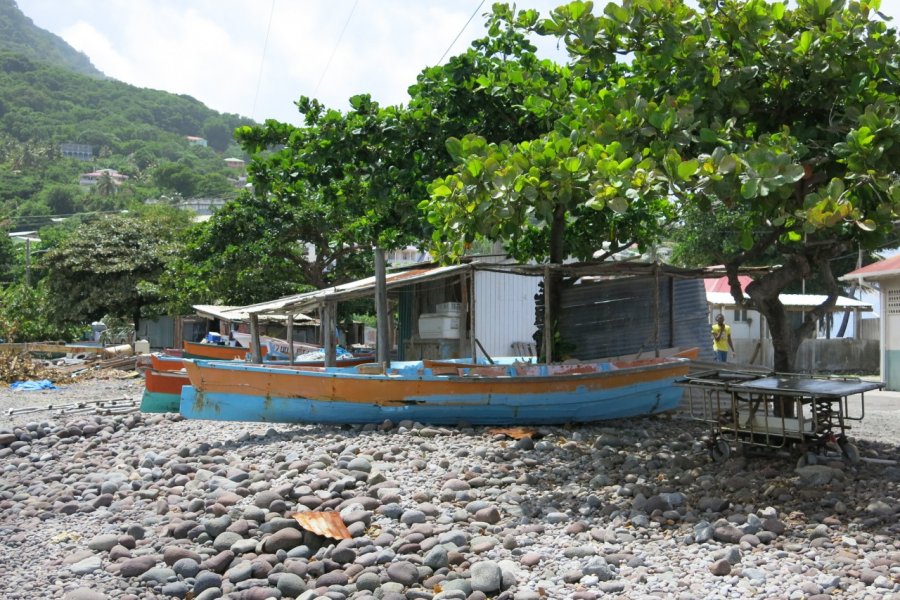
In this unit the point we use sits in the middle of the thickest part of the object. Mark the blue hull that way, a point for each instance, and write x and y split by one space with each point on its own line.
521 409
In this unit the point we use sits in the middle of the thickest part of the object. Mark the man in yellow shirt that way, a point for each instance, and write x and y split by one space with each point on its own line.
721 334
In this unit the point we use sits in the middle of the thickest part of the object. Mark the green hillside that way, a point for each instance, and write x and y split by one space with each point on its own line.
18 34
47 100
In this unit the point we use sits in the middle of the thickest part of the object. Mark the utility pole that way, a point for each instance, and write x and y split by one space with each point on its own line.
27 262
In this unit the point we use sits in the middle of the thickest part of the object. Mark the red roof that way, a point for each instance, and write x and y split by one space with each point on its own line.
721 284
888 266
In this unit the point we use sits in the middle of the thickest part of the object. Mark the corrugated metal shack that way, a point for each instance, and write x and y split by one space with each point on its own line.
492 308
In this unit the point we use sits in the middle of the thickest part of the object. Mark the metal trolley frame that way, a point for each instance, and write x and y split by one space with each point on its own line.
773 411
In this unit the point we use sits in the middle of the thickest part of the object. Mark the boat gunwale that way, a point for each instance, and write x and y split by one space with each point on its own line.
425 374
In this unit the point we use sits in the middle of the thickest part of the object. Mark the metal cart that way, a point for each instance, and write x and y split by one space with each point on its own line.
747 410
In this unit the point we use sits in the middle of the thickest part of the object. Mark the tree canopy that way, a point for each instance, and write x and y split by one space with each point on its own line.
99 267
786 119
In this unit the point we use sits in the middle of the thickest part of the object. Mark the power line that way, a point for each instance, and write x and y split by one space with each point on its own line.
474 12
262 59
334 50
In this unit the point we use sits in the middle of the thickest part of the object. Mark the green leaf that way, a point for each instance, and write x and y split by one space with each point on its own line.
474 167
619 205
750 188
804 42
441 191
728 164
572 164
708 136
688 168
746 239
454 148
867 225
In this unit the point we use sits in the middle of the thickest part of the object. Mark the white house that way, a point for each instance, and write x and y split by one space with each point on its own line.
753 343
885 277
88 179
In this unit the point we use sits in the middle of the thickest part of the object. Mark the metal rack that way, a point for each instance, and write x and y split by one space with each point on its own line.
754 410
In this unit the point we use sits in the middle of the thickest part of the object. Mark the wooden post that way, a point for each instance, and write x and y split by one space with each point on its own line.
328 324
290 336
383 348
255 348
548 323
463 313
656 307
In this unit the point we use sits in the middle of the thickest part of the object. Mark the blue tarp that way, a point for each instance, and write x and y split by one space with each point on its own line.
41 384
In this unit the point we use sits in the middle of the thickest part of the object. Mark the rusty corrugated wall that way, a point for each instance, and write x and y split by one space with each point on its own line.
614 317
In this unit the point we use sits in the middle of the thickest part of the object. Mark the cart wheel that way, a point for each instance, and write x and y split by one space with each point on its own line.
851 452
720 450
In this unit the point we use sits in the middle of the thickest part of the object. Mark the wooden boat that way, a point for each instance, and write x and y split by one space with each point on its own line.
163 361
441 392
164 380
216 351
162 390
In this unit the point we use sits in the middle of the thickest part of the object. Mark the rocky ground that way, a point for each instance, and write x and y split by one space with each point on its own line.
108 504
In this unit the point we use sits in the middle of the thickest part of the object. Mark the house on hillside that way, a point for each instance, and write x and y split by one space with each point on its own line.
753 343
84 152
885 277
90 179
193 140
234 163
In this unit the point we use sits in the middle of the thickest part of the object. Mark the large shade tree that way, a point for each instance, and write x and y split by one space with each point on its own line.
326 192
787 118
101 266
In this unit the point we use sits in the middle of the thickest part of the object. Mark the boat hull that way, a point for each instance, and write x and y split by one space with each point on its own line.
539 394
160 402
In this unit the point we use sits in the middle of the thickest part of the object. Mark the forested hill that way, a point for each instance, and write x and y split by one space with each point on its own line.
47 101
19 35
43 102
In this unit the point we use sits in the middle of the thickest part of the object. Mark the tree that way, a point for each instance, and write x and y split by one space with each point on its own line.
25 315
98 268
786 118
7 254
105 185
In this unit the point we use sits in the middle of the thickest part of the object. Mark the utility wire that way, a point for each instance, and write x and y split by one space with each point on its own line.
334 50
474 12
262 59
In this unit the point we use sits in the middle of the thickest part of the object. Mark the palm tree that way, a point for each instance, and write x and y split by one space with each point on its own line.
105 185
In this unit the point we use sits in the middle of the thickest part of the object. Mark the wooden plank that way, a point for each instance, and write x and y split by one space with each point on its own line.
44 347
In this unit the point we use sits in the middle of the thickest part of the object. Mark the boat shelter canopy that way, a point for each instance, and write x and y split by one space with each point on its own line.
236 313
793 302
362 288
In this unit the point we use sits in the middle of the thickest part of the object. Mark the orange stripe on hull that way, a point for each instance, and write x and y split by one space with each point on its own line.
338 386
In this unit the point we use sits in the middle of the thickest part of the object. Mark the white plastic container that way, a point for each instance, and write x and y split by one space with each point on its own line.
452 308
141 347
434 326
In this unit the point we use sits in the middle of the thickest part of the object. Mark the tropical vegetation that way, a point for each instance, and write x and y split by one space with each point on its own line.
745 133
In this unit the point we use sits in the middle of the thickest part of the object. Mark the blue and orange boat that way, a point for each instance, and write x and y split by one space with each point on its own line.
512 391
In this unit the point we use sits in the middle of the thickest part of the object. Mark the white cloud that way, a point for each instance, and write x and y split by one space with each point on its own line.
213 50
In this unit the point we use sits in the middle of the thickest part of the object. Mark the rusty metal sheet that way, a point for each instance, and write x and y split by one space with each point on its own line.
516 433
325 523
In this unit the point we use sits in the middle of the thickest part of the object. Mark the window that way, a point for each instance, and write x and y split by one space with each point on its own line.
893 301
740 315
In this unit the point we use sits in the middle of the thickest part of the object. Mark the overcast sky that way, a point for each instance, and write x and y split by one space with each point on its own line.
257 57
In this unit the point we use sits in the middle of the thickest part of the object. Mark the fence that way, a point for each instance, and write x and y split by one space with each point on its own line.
841 355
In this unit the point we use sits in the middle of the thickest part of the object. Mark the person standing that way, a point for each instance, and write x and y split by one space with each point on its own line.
721 334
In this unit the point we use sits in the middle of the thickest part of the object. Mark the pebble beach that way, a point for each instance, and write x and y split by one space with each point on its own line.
123 505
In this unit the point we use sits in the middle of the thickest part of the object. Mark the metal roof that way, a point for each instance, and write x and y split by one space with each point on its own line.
889 267
236 313
355 289
793 302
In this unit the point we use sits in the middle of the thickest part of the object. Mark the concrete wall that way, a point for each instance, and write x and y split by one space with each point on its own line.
840 355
